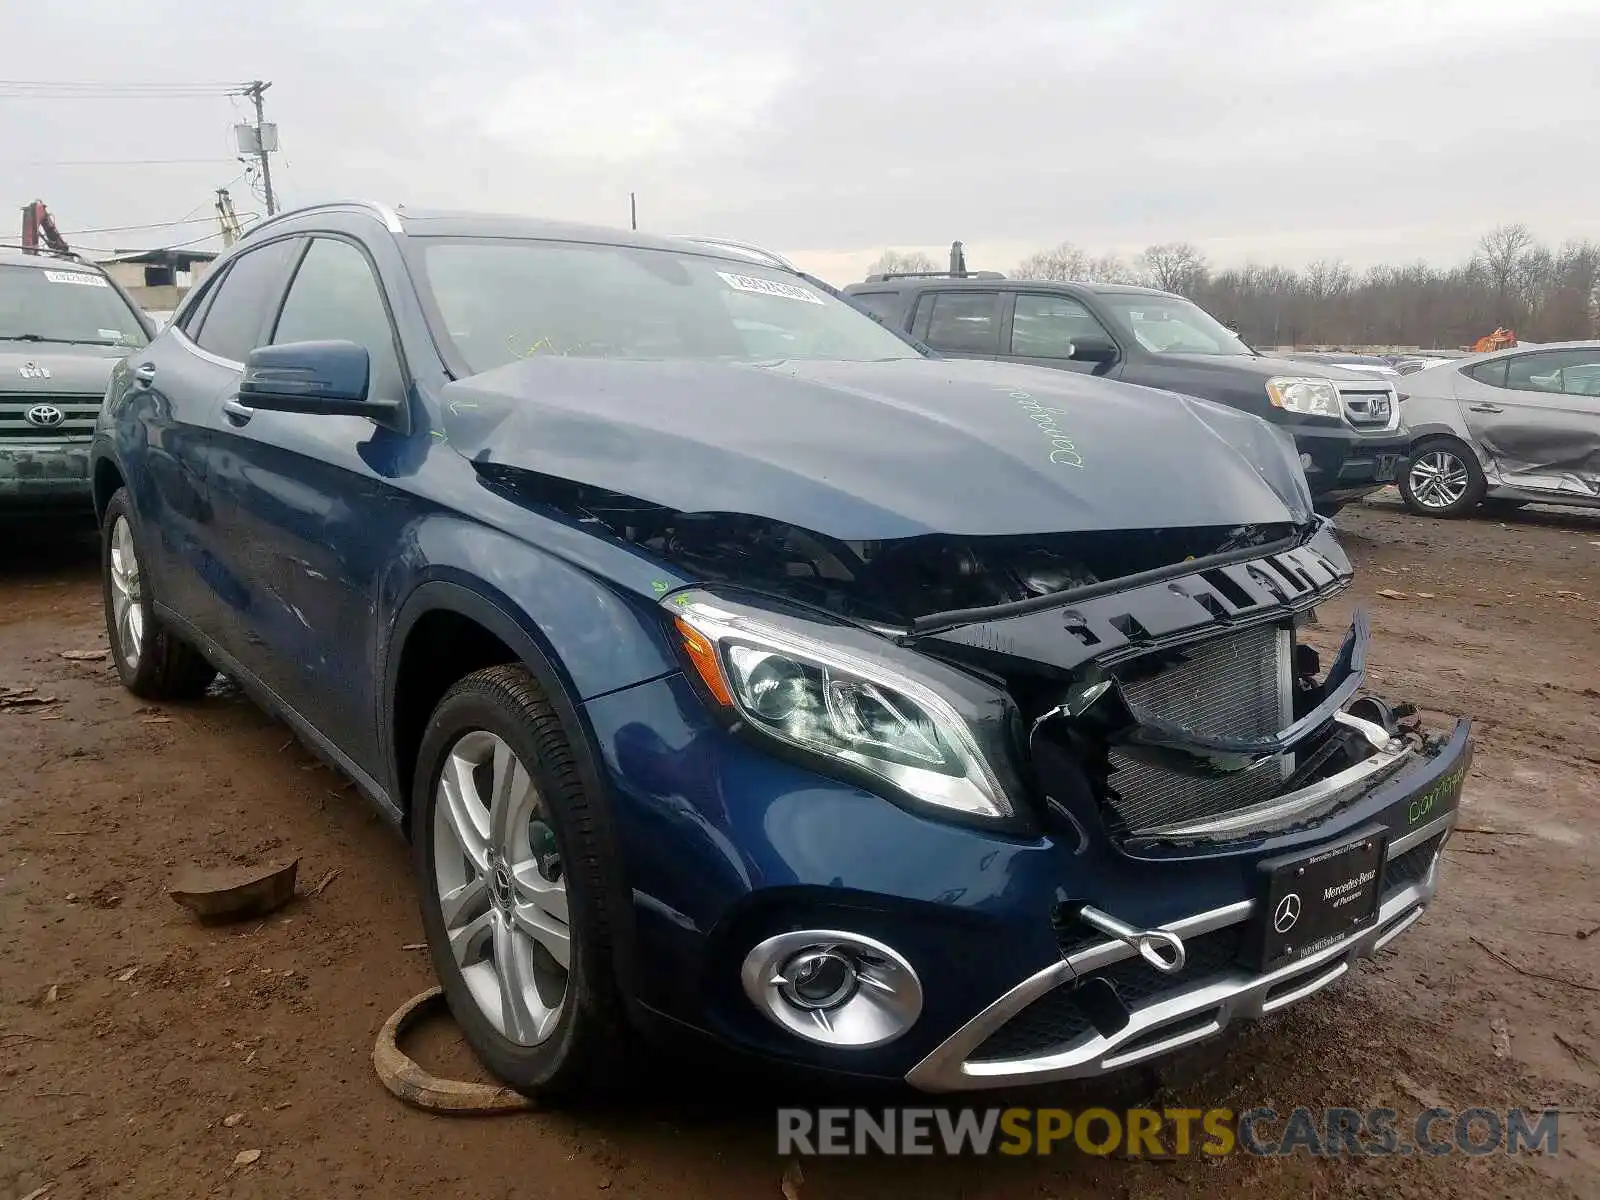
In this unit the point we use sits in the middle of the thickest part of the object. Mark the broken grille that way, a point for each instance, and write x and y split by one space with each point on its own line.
1233 686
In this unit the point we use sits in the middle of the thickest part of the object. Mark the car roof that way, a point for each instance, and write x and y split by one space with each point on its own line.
14 256
1586 344
944 282
428 222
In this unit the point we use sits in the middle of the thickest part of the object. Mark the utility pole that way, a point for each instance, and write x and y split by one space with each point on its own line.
254 90
226 218
633 211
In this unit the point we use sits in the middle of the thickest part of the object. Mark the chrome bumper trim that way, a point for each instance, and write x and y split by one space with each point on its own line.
1192 1014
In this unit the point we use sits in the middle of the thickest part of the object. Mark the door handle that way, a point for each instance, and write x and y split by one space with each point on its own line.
1490 408
236 412
144 375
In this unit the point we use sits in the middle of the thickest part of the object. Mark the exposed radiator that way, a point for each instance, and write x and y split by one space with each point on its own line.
1237 685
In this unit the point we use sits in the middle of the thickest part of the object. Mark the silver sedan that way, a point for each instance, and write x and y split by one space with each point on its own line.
1510 428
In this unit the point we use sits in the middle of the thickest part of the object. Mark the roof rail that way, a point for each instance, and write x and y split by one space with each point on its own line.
44 251
744 248
389 217
885 276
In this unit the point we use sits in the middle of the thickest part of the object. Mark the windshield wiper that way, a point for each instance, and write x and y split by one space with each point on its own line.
65 341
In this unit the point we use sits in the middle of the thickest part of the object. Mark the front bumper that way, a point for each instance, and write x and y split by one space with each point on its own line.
727 846
1344 464
44 474
1196 1007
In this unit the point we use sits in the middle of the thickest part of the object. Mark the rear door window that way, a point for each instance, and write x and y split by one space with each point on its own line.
235 321
1491 373
1564 372
961 322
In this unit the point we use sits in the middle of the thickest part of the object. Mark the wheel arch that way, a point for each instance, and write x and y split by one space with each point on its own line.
504 637
105 477
482 630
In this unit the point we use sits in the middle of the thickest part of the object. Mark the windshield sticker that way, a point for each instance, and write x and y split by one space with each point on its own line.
768 287
81 278
1063 451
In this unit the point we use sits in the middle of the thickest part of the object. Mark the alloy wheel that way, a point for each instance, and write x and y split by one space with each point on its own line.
127 606
1438 479
502 892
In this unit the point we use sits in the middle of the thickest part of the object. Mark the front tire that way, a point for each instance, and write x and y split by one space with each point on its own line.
152 661
513 885
1441 478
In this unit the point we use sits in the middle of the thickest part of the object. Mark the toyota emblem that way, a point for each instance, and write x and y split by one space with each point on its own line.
1287 913
46 416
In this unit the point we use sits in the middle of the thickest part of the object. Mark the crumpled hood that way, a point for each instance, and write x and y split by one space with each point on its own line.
880 450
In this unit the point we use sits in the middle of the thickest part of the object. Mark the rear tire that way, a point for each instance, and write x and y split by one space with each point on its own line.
152 661
513 876
1441 478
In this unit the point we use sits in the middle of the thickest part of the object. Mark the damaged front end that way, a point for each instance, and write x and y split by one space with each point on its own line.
1127 755
1140 687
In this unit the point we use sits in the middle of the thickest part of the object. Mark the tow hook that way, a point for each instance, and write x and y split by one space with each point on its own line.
1149 943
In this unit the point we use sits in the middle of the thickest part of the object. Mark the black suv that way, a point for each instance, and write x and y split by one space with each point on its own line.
1345 423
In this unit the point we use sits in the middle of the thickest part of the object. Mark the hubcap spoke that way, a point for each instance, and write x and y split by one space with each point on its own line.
514 966
512 798
464 812
471 942
549 931
465 902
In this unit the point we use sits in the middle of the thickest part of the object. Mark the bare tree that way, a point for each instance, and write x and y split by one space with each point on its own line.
1068 262
1175 267
891 261
1512 280
1499 251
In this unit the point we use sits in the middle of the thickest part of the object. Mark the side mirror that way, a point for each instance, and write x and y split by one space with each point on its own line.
1095 350
330 378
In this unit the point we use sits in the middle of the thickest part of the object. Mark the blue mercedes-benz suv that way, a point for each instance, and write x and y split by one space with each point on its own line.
743 673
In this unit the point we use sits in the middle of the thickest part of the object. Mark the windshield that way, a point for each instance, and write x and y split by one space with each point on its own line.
48 305
1168 325
499 300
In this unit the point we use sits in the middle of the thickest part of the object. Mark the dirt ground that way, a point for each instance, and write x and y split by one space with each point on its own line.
128 1033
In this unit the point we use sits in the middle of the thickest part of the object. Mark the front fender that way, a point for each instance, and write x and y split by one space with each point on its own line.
595 638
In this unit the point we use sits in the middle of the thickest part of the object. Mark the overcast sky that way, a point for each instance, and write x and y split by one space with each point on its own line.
834 128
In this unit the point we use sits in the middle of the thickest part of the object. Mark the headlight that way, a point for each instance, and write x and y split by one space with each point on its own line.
1313 397
829 692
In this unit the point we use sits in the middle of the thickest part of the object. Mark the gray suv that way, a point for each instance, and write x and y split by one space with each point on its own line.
63 326
1346 424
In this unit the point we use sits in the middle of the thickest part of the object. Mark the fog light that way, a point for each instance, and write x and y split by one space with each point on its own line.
818 979
840 989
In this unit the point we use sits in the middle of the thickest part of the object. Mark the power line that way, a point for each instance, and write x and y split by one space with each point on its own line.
132 228
119 162
62 89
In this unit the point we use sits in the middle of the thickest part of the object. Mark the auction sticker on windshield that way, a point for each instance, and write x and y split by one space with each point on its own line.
82 278
767 287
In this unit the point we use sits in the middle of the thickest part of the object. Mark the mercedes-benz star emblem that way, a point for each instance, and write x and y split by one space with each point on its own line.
32 370
1287 913
45 416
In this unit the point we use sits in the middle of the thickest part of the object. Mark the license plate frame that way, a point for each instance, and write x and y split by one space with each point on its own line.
1387 469
1313 898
